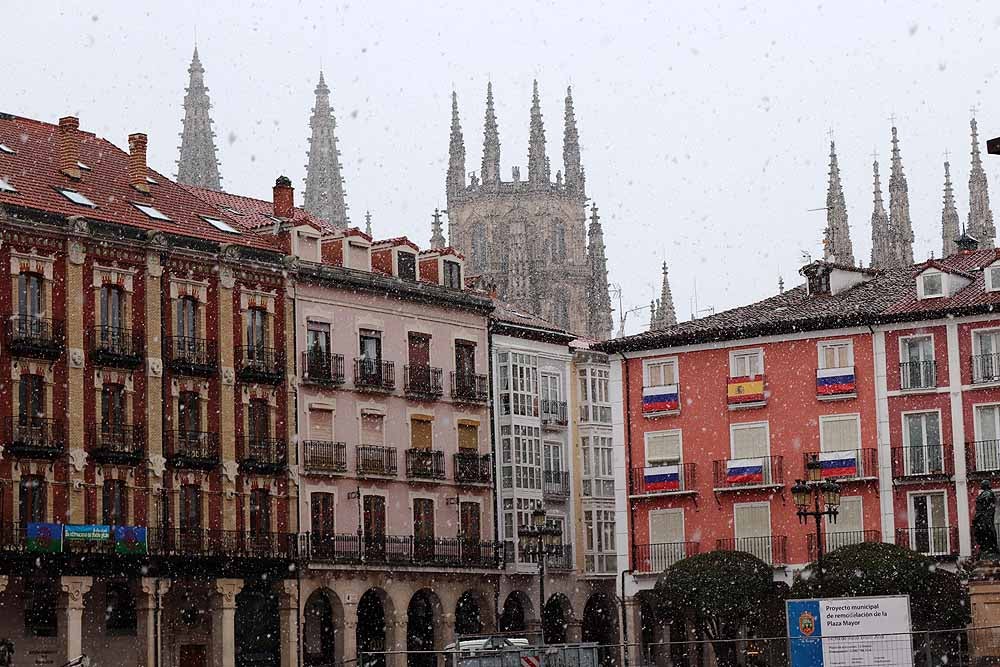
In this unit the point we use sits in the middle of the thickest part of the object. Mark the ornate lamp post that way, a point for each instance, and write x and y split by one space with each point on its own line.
817 498
540 540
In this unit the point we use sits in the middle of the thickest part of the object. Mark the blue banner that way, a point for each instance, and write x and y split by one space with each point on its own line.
804 633
86 533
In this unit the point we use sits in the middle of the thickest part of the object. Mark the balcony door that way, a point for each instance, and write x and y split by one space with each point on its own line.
260 517
666 539
256 332
423 529
922 433
115 503
986 352
419 355
752 524
258 425
31 400
470 528
318 351
189 415
32 500
187 319
553 462
190 523
30 300
550 394
928 524
113 411
321 507
849 526
112 316
987 438
374 525
918 357
465 362
370 357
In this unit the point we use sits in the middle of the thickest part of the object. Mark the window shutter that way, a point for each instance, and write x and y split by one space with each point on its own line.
840 434
321 425
666 527
371 429
750 441
849 516
420 433
752 520
468 437
663 447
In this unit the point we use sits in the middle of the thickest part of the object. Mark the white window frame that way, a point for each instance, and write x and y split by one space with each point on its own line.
660 559
902 346
906 432
992 286
745 351
823 344
910 495
746 425
978 436
770 529
921 284
680 444
646 363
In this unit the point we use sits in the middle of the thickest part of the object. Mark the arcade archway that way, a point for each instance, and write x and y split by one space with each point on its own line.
371 630
422 616
556 615
600 624
321 623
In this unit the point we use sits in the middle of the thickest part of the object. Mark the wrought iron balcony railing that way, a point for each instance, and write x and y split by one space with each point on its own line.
264 455
750 471
118 347
198 450
473 468
324 456
835 539
917 375
930 540
192 356
772 549
322 368
667 478
844 465
374 375
472 387
422 381
554 413
923 462
34 437
985 368
403 550
260 364
122 444
36 337
376 460
223 544
655 558
424 464
555 484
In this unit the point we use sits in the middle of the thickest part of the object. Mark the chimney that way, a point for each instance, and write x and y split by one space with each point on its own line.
284 198
137 170
69 146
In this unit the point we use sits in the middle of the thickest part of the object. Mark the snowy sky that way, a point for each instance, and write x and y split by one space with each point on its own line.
704 126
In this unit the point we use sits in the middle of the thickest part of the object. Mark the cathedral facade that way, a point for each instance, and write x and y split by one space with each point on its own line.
529 238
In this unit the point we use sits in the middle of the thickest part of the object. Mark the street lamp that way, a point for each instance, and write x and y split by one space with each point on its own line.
823 495
541 540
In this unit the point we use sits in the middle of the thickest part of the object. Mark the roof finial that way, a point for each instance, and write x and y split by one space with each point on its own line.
537 170
490 172
437 234
368 223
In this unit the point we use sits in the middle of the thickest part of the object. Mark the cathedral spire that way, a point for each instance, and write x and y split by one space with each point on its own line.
980 216
599 299
837 246
571 149
437 235
949 216
198 164
883 253
664 315
537 169
900 226
456 152
491 142
324 196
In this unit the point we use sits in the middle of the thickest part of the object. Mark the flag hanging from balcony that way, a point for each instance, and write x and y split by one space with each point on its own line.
662 478
45 537
835 381
130 540
747 389
745 471
838 464
660 399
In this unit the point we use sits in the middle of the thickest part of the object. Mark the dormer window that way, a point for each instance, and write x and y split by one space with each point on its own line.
819 283
931 285
993 278
452 274
406 265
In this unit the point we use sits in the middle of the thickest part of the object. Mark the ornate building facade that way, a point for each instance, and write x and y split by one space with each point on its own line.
529 238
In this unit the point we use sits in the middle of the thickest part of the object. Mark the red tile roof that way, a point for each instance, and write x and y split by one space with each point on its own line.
253 213
33 170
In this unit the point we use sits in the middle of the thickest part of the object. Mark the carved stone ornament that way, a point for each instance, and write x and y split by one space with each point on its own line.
157 465
230 253
79 225
76 357
154 368
77 252
227 590
227 277
291 262
229 469
158 239
153 266
228 376
78 459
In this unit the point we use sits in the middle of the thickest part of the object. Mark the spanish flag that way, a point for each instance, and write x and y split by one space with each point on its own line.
748 389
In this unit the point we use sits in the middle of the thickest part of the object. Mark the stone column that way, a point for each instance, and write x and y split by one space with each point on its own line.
288 610
71 614
224 622
348 637
395 641
149 629
634 643
574 631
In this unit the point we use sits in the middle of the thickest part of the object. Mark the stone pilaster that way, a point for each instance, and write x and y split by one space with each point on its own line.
148 603
224 622
395 641
71 614
227 434
154 372
288 610
76 294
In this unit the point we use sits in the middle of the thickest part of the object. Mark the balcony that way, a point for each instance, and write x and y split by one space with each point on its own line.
655 558
118 444
469 387
34 437
322 368
374 375
554 413
836 383
264 455
927 462
846 465
557 557
35 337
424 464
743 393
222 544
116 347
939 541
658 400
352 549
671 478
915 375
555 484
196 450
257 363
192 356
772 549
473 468
423 382
376 460
985 368
982 459
833 540
324 456
758 471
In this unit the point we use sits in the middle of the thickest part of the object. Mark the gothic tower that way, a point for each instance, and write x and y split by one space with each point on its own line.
837 246
949 216
900 227
883 252
664 314
198 164
324 195
980 216
529 237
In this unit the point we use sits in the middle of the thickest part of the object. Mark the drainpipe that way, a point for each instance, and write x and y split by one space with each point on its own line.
627 419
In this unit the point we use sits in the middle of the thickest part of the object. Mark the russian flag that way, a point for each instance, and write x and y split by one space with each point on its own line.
834 381
660 399
745 471
838 464
662 478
